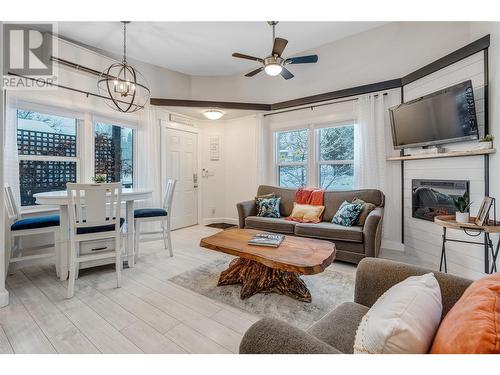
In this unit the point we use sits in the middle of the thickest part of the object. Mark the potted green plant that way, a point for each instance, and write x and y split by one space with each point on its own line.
462 205
99 178
486 142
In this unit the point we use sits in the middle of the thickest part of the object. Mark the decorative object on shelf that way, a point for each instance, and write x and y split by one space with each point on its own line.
486 142
484 210
213 114
100 178
462 204
274 64
125 86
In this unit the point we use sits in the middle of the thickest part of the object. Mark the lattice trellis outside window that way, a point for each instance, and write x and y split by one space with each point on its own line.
41 176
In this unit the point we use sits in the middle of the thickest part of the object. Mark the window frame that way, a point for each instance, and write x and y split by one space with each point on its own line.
122 124
52 111
313 164
305 164
318 161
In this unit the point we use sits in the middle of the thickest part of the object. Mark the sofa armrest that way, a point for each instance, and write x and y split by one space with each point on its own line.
245 209
271 336
372 232
375 276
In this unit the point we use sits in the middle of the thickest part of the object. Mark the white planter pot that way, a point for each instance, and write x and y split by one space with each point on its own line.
462 217
485 145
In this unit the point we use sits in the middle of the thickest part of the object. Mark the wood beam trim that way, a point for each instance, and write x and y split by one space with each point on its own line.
339 94
210 104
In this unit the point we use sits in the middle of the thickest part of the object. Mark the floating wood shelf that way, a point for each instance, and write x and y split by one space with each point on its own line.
451 154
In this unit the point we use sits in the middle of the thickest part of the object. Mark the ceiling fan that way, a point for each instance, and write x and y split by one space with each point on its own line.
275 63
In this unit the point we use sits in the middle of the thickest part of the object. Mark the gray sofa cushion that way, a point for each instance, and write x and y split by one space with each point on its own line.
339 327
330 231
271 336
270 224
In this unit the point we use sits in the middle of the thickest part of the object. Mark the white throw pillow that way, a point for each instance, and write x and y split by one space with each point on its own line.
403 320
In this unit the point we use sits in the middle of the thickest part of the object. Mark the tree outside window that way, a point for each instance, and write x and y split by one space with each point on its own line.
114 153
292 153
336 157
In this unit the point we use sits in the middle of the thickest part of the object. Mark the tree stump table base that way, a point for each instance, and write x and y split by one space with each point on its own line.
258 278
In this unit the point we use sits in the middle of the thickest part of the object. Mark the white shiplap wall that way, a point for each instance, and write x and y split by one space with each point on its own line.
423 238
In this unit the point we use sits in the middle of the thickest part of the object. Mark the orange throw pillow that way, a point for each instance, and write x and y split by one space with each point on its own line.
473 325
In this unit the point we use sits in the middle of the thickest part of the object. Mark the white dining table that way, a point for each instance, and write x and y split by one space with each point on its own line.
60 198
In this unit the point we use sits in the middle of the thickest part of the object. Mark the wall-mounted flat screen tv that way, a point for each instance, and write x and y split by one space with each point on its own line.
445 116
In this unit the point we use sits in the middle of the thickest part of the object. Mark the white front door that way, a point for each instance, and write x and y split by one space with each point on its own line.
179 161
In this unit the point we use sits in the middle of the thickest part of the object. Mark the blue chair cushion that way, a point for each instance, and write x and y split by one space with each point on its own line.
36 222
99 228
149 212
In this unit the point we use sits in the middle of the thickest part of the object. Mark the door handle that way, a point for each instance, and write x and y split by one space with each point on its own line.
195 180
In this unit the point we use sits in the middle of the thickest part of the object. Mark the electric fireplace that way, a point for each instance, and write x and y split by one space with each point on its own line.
431 198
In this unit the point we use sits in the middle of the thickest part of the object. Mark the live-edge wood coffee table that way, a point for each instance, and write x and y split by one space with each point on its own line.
262 269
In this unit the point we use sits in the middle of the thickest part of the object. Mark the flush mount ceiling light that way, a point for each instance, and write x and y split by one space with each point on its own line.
124 86
213 114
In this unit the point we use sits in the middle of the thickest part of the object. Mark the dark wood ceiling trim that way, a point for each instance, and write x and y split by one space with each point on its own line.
210 104
459 54
339 94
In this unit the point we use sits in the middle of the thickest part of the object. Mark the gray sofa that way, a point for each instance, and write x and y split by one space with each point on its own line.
335 333
352 243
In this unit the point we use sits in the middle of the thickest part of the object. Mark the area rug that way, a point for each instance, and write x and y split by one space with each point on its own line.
221 226
328 289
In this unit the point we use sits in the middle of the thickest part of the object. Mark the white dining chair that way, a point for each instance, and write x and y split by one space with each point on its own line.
94 214
164 215
19 228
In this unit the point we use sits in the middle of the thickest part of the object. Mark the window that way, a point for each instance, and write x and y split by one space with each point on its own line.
48 153
332 167
114 153
292 152
336 157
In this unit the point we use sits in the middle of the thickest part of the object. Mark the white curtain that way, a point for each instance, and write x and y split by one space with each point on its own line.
148 156
369 148
10 155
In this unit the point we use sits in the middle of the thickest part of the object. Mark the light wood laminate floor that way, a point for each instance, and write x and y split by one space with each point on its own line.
148 314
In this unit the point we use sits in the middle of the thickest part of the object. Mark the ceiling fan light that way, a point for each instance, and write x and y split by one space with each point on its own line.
213 114
273 69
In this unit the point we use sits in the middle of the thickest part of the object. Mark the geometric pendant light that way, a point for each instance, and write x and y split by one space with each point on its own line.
125 86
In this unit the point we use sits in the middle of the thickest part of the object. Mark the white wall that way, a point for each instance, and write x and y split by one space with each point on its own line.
234 177
383 53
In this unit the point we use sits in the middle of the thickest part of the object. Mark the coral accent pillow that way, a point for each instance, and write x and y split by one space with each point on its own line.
305 213
473 324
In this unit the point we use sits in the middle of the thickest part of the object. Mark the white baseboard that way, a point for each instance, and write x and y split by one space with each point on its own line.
392 245
4 298
213 220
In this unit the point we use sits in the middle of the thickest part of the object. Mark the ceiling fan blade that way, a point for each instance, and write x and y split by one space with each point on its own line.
302 59
247 57
285 73
279 46
254 72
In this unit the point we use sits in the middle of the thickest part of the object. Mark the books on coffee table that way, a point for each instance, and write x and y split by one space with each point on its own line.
266 239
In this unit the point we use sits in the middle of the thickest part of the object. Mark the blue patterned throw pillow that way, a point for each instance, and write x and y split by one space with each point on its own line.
347 214
268 207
